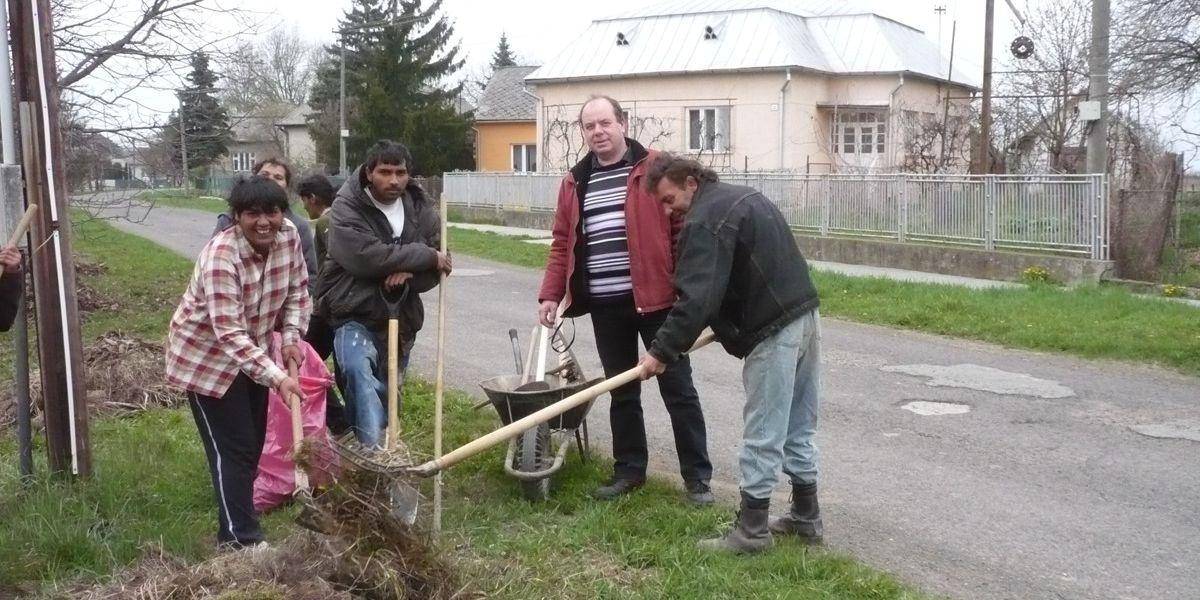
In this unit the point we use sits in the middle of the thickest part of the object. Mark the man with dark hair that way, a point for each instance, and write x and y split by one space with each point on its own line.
612 255
249 282
741 273
383 241
316 193
278 171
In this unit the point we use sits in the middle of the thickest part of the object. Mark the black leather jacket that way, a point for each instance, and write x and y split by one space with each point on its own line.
739 271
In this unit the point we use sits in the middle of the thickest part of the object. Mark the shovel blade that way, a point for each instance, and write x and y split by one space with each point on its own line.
404 500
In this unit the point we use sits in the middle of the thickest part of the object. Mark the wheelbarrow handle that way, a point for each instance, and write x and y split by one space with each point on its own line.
521 425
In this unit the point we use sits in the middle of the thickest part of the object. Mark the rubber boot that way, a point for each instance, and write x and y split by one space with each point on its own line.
804 518
749 533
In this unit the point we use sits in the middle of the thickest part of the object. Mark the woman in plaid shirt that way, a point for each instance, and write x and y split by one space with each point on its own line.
249 282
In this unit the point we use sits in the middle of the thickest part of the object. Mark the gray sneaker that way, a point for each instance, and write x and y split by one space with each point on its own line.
699 493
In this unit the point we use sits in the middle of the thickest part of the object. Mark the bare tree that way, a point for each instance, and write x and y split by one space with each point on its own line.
935 141
562 138
1156 52
1036 124
278 69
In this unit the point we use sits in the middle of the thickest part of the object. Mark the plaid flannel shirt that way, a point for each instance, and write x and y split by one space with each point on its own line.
235 300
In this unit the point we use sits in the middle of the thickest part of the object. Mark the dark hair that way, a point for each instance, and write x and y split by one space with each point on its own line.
318 187
256 193
616 106
385 152
279 162
677 169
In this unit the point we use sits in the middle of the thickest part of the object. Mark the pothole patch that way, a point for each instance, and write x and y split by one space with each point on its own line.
984 379
1170 431
927 408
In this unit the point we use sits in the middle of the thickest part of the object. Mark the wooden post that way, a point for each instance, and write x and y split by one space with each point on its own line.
985 114
439 385
59 347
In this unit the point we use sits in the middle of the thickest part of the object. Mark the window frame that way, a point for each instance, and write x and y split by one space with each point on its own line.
722 123
853 130
528 155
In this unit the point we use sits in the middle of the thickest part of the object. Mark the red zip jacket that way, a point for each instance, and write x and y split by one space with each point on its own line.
650 232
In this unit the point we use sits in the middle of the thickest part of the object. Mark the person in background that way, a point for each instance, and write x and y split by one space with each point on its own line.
384 236
248 283
278 171
317 194
741 272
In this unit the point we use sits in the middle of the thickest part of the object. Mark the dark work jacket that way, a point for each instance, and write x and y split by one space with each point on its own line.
739 271
362 253
10 296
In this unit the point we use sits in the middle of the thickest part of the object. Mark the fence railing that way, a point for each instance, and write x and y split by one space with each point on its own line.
1049 213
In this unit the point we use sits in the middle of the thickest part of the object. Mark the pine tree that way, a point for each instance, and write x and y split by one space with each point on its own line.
397 52
503 56
205 124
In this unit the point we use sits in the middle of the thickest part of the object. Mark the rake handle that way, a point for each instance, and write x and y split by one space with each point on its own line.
520 426
23 225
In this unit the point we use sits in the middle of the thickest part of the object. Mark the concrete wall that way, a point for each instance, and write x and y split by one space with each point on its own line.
494 141
658 106
948 260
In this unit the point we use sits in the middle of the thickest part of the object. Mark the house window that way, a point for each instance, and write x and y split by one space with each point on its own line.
242 161
524 158
708 129
859 132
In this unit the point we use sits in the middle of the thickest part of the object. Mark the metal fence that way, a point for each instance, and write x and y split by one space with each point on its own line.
1050 213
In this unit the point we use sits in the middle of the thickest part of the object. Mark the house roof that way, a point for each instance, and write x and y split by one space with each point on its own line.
504 98
827 37
297 117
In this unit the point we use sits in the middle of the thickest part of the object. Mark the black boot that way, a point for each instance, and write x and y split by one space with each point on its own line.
749 534
804 518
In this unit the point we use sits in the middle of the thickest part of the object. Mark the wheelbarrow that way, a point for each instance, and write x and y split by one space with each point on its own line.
519 426
541 451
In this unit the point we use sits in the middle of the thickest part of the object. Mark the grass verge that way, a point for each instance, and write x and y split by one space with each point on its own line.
1087 321
151 487
181 199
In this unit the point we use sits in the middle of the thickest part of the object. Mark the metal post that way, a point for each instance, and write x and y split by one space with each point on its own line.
342 113
16 205
985 113
187 180
902 209
1097 140
946 102
825 206
989 213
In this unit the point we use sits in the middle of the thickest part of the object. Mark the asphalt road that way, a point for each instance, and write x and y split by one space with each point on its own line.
1018 475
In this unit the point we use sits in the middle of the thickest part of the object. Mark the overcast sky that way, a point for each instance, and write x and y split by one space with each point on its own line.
538 29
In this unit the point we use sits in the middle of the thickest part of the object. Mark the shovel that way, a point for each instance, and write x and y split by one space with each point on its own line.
403 498
516 428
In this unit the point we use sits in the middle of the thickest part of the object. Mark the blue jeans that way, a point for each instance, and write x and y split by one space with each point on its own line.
362 358
782 377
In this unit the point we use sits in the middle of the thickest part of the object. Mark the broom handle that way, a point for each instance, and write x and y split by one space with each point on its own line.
23 225
520 426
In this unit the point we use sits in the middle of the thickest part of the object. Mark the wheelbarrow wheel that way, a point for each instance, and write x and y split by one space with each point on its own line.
533 455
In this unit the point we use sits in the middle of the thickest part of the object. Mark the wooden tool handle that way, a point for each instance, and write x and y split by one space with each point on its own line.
23 225
520 426
393 394
297 418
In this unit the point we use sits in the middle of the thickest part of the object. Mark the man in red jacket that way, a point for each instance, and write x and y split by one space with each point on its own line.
613 257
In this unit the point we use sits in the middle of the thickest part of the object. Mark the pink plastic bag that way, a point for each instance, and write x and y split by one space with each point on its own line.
276 479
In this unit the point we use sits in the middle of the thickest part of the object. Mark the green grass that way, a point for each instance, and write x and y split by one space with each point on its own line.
181 199
1088 321
151 487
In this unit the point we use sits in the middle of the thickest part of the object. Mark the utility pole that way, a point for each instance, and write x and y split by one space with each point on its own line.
187 181
342 112
1097 140
59 346
985 113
